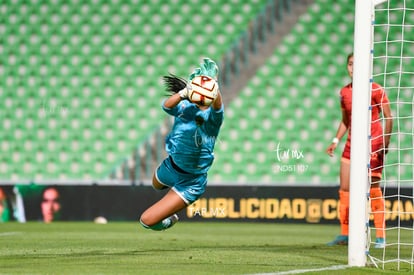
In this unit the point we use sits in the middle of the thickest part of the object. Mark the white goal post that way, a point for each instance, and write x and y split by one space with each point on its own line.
383 51
361 91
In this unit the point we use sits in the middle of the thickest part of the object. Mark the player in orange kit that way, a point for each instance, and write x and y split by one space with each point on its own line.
379 147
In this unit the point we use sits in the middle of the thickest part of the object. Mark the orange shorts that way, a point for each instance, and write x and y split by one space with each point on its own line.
376 161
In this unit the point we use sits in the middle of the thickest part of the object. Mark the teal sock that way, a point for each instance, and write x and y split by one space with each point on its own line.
162 225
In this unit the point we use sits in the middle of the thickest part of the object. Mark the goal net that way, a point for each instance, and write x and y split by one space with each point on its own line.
393 68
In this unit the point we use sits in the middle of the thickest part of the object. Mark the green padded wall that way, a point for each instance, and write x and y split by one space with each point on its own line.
80 80
279 127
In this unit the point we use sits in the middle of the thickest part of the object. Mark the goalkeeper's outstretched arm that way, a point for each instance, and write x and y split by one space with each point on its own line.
172 101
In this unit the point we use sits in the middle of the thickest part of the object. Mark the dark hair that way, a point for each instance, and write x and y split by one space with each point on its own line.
174 84
349 56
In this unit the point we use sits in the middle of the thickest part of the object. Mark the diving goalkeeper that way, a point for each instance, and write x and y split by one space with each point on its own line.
189 145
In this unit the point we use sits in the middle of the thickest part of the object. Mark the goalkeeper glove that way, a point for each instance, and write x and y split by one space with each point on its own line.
184 93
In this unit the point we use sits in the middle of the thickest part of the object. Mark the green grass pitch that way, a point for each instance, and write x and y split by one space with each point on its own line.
187 248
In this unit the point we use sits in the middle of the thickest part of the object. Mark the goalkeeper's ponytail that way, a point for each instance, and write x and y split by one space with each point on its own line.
174 84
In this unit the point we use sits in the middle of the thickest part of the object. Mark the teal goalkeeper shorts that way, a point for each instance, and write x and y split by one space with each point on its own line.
188 186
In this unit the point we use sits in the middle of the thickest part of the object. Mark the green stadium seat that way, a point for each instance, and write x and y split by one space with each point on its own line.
94 60
314 79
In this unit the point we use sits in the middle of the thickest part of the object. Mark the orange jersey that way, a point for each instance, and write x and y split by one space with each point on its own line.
378 97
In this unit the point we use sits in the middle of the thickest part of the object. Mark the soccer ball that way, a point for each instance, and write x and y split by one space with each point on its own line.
204 90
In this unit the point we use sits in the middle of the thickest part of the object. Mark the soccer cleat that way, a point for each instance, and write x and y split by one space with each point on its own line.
162 225
379 243
339 240
172 220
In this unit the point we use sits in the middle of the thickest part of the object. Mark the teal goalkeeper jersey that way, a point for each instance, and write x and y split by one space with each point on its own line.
193 136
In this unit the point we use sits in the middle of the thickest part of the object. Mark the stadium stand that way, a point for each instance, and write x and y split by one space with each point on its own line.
81 81
81 88
288 112
278 128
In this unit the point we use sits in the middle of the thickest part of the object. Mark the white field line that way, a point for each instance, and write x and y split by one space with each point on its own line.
3 234
300 271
